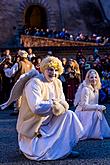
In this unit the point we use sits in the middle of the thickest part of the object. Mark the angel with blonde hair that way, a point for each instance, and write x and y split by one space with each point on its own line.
44 120
98 82
89 112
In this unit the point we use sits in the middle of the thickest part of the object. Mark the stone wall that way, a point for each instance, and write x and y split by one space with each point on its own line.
75 16
8 15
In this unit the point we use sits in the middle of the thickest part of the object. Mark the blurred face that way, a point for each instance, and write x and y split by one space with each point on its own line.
93 78
39 60
50 73
7 52
29 51
64 61
91 58
70 62
69 69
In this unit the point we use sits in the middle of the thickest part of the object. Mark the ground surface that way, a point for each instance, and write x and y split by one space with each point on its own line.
92 152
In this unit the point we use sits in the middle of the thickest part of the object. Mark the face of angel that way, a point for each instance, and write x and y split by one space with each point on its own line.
93 78
50 73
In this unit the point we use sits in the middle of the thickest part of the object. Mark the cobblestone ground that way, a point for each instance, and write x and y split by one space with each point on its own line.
92 152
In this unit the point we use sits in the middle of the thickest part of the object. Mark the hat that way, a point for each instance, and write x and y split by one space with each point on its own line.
23 53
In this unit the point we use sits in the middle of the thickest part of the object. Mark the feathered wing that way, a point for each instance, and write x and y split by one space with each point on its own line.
18 87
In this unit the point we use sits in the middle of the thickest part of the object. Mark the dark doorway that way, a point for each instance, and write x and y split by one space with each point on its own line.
36 16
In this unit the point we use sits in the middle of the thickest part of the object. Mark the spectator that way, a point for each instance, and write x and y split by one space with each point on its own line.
30 54
16 71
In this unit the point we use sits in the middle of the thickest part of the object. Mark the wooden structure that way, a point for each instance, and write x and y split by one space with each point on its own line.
33 41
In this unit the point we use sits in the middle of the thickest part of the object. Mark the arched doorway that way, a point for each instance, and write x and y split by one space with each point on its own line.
36 16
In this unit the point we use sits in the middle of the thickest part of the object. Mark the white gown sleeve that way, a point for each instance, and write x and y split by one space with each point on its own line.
9 72
85 101
34 99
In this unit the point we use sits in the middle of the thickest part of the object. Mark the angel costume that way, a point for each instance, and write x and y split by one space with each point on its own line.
59 133
44 134
93 121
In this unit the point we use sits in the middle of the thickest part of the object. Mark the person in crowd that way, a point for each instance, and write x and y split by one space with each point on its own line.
36 62
72 76
62 34
6 82
89 112
105 90
7 54
30 54
19 68
62 76
96 53
97 66
83 67
91 60
44 121
64 61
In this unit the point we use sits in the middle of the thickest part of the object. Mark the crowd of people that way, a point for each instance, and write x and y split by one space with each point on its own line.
74 72
44 119
64 34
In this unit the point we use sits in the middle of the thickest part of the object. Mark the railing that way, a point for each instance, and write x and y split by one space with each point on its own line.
33 41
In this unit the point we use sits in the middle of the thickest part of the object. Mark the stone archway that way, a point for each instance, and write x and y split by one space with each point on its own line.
36 16
25 4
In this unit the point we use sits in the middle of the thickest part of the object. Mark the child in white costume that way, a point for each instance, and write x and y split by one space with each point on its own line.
47 130
89 112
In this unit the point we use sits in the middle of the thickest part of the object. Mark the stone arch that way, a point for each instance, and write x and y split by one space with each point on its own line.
25 4
36 16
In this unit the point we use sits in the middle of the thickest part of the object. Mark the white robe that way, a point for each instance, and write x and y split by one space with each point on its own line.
93 121
59 135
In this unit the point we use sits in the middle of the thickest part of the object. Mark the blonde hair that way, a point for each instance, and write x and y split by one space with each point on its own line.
76 66
84 83
98 85
51 61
